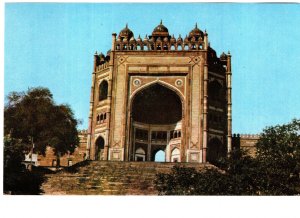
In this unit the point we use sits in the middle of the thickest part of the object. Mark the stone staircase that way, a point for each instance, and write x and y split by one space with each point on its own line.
109 178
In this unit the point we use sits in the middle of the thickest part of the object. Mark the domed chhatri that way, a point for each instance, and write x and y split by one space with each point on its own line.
196 32
161 39
160 30
126 33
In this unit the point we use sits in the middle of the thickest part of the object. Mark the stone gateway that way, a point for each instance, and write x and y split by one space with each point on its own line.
160 94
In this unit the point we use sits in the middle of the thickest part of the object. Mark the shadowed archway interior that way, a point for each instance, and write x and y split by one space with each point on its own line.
157 105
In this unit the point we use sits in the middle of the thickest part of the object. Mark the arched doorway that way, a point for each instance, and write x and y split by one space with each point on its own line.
215 150
175 155
155 112
99 145
140 155
160 156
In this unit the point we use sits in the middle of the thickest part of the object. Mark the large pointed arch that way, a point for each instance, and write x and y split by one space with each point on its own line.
159 82
155 105
152 104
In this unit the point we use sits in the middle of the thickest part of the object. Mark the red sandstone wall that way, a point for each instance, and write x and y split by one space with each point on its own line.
49 160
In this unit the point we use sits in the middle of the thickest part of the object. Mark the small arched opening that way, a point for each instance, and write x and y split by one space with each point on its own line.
140 155
99 147
160 156
175 155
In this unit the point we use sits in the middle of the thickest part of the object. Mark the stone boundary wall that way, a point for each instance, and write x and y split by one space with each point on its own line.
246 142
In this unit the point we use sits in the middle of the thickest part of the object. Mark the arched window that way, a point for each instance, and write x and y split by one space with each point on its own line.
98 118
103 90
179 47
173 48
186 47
175 134
171 134
101 118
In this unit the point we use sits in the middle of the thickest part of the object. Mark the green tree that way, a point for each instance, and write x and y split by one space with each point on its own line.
274 171
278 152
32 120
235 175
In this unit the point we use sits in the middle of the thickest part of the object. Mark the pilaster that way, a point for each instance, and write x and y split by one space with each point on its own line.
229 104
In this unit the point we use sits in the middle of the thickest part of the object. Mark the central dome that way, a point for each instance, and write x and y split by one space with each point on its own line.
126 33
160 30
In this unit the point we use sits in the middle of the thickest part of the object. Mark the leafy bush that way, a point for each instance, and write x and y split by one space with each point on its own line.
274 171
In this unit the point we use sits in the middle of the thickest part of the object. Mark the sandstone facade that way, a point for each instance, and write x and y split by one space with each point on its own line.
160 94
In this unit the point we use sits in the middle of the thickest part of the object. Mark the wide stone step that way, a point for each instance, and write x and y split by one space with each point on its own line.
109 178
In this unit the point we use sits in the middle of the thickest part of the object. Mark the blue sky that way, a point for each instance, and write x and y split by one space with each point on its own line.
52 45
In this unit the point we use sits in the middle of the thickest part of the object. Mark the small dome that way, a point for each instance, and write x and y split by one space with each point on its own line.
160 30
186 39
173 39
139 39
146 38
196 32
101 57
223 57
126 33
179 38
